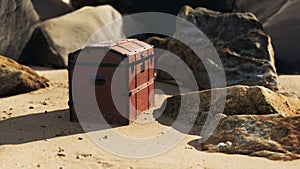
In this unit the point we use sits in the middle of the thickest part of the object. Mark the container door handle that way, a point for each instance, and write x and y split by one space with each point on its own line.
98 80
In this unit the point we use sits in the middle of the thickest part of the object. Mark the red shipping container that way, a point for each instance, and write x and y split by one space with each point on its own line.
130 63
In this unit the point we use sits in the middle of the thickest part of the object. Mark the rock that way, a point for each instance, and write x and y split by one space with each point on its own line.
51 8
240 100
275 17
284 29
243 47
262 9
18 19
16 78
59 36
158 42
275 138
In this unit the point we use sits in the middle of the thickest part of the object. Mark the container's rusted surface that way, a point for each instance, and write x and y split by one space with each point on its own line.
135 81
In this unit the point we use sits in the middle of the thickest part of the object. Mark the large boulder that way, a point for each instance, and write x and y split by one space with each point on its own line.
243 47
240 100
281 21
51 8
272 137
16 78
18 19
262 9
55 38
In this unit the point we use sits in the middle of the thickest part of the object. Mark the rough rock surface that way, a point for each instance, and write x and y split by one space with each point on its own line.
240 100
244 48
55 38
16 78
272 137
51 8
280 19
18 19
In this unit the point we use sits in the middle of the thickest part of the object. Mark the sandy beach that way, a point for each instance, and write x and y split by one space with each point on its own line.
36 133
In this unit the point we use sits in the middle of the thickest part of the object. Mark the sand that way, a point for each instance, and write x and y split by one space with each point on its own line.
35 132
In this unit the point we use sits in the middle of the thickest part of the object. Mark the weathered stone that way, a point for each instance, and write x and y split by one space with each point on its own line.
55 38
262 9
240 100
273 137
243 47
280 20
51 8
18 19
16 78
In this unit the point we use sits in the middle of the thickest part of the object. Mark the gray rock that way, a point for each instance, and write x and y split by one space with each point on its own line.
280 20
16 78
262 9
243 47
51 8
18 19
55 38
240 100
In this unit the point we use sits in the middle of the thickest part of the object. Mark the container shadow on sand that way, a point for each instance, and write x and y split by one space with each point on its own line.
34 127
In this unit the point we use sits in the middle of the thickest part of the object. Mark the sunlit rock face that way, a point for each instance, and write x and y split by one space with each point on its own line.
16 78
55 38
275 138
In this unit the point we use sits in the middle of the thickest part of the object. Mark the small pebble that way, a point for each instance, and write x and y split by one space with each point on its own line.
31 107
105 137
221 144
80 138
